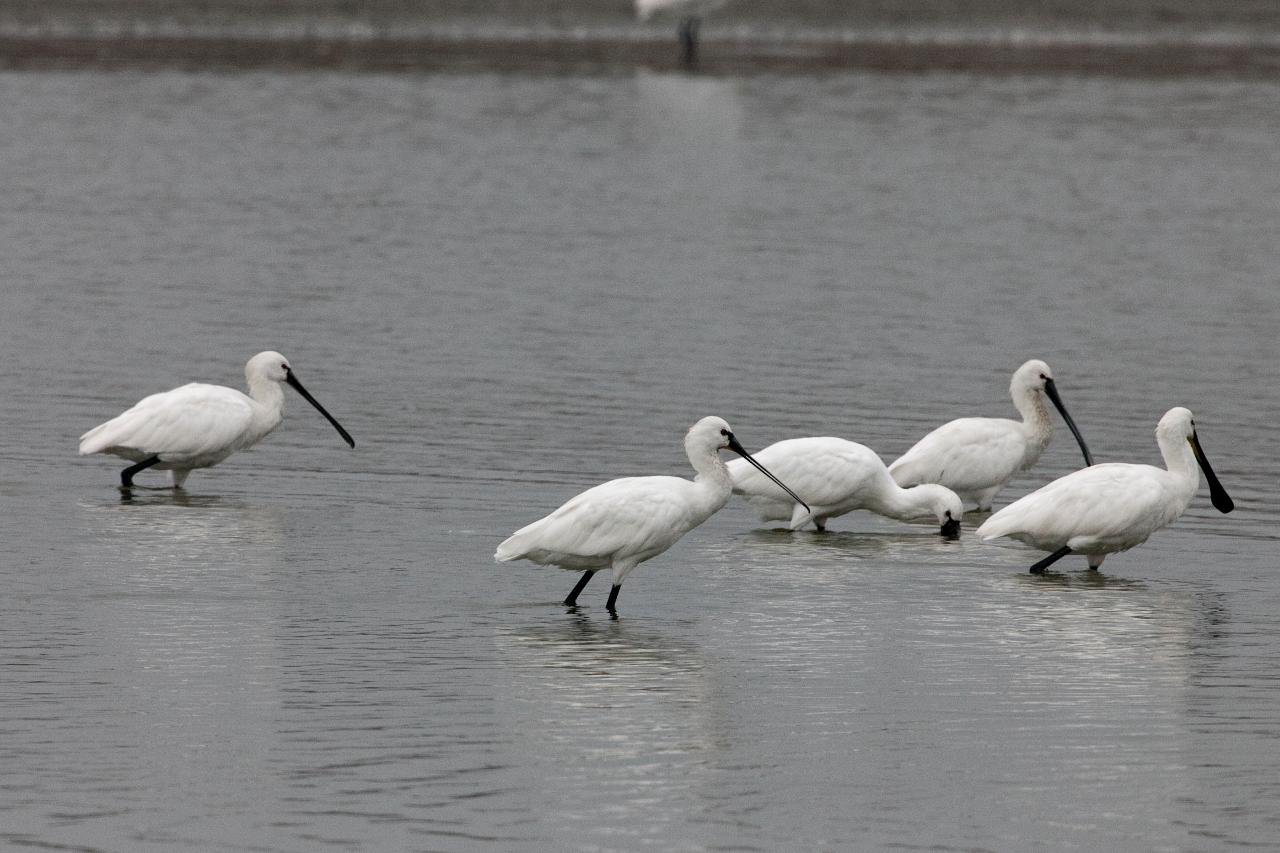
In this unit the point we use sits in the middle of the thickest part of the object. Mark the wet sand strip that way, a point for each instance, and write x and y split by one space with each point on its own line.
611 54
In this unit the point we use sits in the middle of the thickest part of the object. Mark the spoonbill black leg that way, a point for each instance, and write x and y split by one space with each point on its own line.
572 599
1038 568
611 605
126 476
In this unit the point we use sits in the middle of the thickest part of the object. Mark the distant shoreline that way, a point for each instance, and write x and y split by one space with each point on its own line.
597 52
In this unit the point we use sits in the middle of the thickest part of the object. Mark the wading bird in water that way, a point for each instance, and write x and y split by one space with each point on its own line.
689 14
976 457
620 524
837 476
1114 506
198 425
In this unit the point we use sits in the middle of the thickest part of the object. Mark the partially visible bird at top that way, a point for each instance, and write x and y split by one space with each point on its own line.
689 14
976 457
619 524
1114 506
198 425
836 476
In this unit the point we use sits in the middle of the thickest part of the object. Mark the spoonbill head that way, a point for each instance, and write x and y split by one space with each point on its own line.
1113 506
619 524
976 457
198 425
837 476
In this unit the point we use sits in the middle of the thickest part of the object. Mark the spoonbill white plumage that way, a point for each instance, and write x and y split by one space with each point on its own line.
619 524
1113 506
838 476
689 13
198 425
976 457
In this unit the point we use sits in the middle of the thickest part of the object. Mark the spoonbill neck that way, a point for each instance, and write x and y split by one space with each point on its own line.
710 468
1030 403
268 398
712 484
907 504
267 392
1180 460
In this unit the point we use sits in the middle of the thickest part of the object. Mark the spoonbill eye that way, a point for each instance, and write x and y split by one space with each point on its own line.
724 432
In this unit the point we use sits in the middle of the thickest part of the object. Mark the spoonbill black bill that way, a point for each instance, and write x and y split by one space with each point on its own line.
837 476
198 425
689 14
619 524
976 457
1113 506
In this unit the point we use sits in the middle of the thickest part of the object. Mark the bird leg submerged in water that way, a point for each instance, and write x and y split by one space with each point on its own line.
572 599
1039 567
126 476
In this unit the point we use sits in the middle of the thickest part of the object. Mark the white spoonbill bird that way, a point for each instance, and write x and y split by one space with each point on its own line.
689 13
976 457
197 425
1114 506
619 524
838 476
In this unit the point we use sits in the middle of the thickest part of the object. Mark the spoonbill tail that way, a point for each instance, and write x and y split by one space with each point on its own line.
689 13
197 425
838 476
976 457
619 524
1113 506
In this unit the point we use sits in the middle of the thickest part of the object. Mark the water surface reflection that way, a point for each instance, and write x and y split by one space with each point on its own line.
532 284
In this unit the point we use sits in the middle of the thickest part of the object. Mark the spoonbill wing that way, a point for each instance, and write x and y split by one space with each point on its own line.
968 453
820 470
190 421
631 516
1114 503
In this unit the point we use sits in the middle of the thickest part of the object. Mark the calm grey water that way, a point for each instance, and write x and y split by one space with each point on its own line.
510 288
